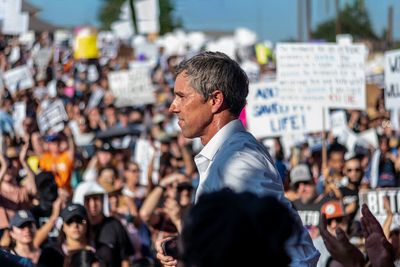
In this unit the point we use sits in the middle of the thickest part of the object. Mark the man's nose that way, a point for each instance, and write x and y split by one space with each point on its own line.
172 107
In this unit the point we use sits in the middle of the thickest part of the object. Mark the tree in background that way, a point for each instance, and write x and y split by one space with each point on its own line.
354 20
109 13
167 21
111 9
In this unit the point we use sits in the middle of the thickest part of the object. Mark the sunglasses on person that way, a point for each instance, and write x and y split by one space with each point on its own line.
353 169
338 220
77 220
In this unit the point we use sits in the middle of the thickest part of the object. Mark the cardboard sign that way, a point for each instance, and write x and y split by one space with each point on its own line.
375 201
328 75
52 118
131 87
392 79
267 116
19 78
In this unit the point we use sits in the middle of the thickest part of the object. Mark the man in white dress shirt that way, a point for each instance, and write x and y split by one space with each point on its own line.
210 92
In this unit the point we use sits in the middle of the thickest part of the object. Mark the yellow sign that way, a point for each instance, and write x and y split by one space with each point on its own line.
86 47
263 54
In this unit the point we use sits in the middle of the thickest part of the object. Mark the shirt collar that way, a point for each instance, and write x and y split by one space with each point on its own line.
212 147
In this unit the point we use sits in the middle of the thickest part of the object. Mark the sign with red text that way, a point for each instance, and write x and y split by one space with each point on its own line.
328 75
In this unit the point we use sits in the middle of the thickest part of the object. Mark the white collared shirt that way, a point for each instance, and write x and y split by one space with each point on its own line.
233 158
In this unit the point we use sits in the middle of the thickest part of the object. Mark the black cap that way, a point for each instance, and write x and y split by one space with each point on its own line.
105 146
21 217
73 210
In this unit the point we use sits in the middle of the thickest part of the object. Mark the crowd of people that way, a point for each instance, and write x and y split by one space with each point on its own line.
111 201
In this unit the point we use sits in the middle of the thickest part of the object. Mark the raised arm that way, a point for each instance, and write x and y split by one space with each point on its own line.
71 143
30 177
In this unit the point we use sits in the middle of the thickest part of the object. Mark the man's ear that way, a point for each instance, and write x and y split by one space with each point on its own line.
217 101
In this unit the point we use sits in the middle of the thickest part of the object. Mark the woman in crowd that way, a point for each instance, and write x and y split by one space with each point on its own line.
22 232
74 232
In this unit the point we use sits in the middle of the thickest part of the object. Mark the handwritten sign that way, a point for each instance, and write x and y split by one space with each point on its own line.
131 87
52 118
328 75
19 78
392 79
267 116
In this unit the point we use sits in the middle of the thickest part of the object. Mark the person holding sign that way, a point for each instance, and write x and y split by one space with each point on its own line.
210 92
58 161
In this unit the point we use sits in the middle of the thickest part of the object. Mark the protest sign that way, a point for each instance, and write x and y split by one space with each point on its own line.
147 13
85 46
267 116
392 79
328 75
375 201
19 78
14 21
369 138
19 114
52 118
27 38
131 87
338 122
143 155
43 57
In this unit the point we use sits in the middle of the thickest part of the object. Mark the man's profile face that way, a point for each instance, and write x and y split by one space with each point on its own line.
193 111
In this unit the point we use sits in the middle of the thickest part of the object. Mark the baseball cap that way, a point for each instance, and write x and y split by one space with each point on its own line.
73 210
21 217
105 147
333 209
300 173
52 138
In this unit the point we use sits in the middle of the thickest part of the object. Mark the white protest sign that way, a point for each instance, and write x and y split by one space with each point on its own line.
27 38
43 57
395 119
122 29
338 122
19 114
18 78
147 13
329 75
369 137
375 201
3 8
131 87
392 79
53 117
144 152
267 116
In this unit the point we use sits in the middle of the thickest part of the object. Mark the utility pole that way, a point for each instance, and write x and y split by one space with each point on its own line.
389 33
132 6
337 8
300 20
308 18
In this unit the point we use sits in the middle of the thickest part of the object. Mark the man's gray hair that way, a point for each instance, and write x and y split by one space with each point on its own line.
210 71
